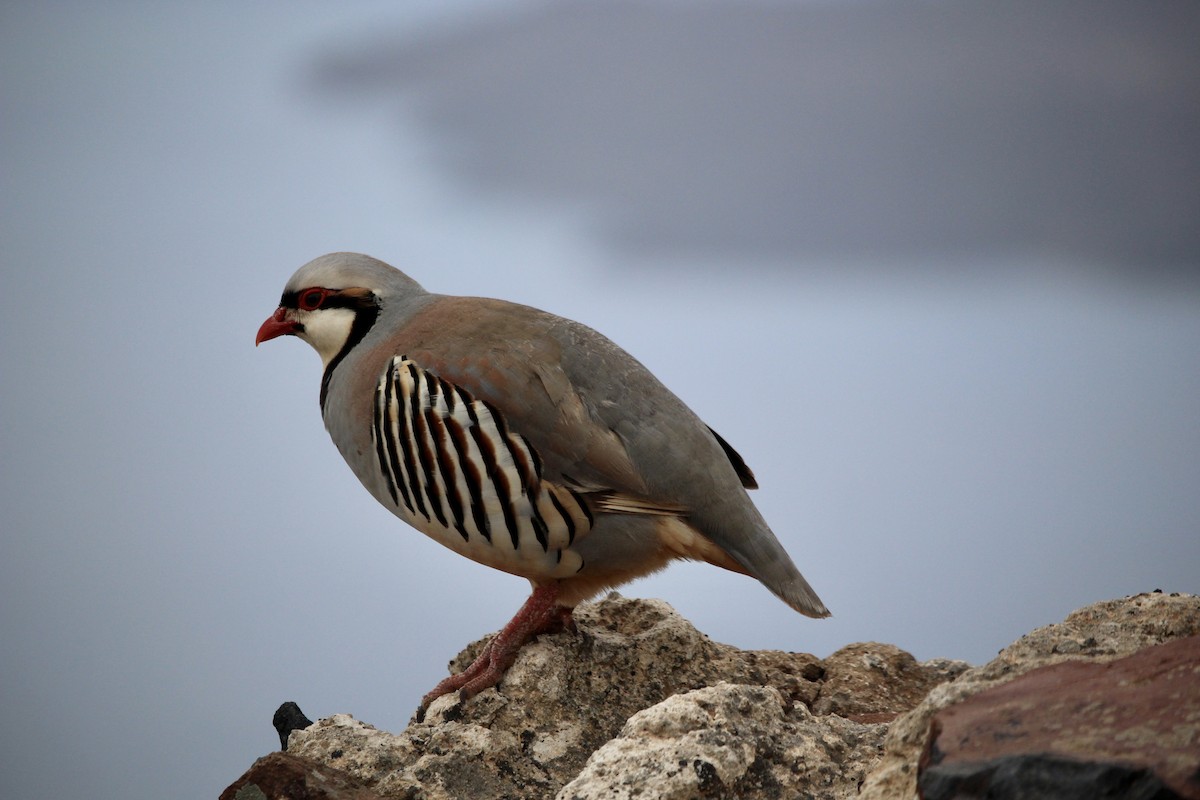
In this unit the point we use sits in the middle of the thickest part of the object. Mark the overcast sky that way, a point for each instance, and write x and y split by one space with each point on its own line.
966 334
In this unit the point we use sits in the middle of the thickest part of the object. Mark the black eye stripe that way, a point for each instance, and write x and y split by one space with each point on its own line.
333 299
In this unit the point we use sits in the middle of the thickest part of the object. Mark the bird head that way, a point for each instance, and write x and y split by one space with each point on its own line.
332 301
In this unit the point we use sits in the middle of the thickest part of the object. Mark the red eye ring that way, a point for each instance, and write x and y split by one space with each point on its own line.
311 299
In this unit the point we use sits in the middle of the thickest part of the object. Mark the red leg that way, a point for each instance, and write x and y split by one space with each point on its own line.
541 613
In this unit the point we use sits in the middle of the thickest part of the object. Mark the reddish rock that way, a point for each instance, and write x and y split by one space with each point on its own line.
1133 723
281 776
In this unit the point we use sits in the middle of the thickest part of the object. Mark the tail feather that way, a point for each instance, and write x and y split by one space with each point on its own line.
799 595
764 558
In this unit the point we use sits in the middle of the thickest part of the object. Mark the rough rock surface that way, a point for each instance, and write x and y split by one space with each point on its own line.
638 703
569 694
1099 632
877 682
1059 721
282 775
729 740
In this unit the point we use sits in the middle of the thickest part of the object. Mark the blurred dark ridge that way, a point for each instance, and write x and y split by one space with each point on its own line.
853 131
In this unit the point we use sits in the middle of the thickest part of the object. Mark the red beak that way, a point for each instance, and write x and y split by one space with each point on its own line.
276 325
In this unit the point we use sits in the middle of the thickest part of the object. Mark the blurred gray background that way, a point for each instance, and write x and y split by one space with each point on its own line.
932 267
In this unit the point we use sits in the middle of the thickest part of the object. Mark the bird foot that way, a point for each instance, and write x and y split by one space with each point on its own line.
540 614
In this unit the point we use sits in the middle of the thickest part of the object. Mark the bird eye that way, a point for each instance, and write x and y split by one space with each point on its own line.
311 299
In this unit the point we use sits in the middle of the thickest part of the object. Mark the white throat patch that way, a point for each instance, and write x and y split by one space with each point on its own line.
327 330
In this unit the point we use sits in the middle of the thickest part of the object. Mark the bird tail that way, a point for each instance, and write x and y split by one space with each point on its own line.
763 557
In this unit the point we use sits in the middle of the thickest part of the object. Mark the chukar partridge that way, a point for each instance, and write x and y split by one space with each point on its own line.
524 441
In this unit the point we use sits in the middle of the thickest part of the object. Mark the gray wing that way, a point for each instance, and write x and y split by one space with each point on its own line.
600 421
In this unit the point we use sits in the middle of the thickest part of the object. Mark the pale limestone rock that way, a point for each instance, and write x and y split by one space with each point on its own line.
729 741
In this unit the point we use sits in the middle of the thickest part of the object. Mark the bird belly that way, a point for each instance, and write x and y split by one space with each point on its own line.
520 553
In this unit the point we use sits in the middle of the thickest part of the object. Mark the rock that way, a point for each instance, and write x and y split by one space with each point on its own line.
877 682
638 701
1100 632
1043 777
288 717
569 694
449 759
1078 728
282 775
729 741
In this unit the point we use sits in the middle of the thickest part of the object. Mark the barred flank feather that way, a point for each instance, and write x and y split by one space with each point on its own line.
453 468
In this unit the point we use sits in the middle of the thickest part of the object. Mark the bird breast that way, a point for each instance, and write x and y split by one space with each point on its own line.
447 464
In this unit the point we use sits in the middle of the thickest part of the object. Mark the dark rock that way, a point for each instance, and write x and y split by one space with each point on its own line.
1041 777
288 717
282 776
1133 723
